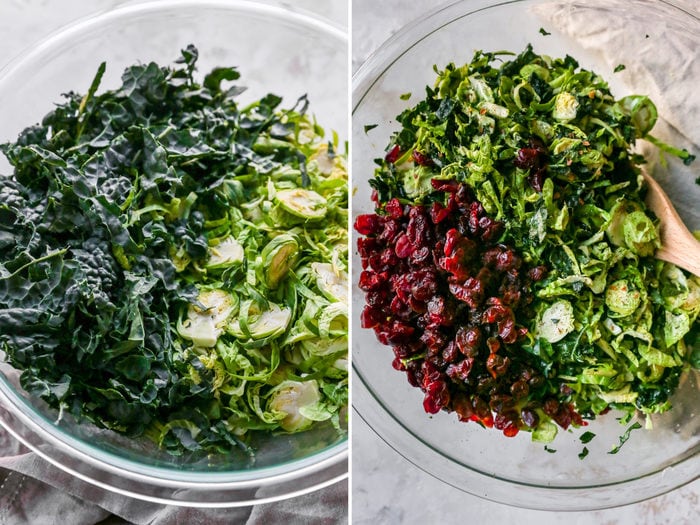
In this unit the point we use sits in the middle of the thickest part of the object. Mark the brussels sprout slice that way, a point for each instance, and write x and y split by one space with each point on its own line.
557 321
622 298
289 397
324 346
278 257
268 323
227 253
332 284
204 326
306 204
640 233
565 107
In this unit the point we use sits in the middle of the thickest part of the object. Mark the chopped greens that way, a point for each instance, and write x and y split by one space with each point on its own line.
625 437
160 253
587 437
547 151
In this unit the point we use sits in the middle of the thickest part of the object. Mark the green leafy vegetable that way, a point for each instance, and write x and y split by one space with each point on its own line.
158 246
625 437
586 437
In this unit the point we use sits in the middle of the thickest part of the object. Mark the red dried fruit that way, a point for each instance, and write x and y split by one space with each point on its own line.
393 155
368 224
394 208
437 396
403 248
371 317
450 186
438 213
420 158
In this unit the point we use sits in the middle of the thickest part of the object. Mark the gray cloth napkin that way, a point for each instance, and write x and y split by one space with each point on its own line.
34 492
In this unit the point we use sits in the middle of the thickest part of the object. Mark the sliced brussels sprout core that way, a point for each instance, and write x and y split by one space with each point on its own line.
622 298
333 283
204 326
268 323
289 397
303 203
278 257
227 253
557 321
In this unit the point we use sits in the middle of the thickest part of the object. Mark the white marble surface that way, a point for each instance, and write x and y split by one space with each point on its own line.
388 489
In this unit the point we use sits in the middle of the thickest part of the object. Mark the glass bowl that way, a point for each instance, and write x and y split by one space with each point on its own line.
277 50
515 471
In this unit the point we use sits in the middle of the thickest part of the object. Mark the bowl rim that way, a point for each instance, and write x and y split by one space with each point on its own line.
370 407
36 434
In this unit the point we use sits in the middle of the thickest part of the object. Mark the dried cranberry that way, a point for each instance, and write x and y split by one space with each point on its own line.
400 332
491 230
520 389
397 364
433 340
371 317
450 352
497 364
392 228
437 396
476 211
537 273
507 331
403 248
481 407
366 246
463 406
420 255
393 155
536 179
527 158
438 213
368 224
493 344
501 403
420 158
529 417
394 208
550 406
450 186
460 371
469 340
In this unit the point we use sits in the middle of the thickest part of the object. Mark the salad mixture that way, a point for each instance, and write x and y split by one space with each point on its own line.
510 260
174 264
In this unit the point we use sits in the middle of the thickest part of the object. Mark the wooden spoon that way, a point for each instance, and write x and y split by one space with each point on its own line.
678 246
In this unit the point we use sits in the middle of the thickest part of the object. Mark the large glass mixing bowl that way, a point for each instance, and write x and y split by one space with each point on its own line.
485 463
277 50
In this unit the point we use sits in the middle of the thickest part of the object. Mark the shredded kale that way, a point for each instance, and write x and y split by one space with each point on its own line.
625 437
173 264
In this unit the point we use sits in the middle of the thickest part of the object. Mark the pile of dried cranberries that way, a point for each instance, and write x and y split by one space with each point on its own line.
446 296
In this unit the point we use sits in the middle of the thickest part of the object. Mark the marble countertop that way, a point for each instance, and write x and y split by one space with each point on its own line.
388 489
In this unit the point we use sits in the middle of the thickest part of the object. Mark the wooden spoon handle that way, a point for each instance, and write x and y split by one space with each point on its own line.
678 245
